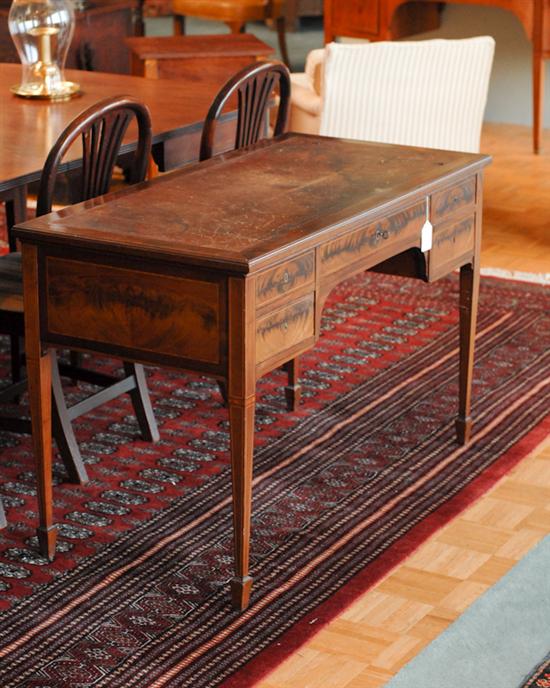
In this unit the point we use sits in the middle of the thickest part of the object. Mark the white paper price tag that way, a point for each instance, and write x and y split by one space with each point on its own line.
426 236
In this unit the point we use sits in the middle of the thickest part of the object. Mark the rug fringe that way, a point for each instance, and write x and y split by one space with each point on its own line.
518 275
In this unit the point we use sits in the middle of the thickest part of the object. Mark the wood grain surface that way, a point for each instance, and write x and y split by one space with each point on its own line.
29 128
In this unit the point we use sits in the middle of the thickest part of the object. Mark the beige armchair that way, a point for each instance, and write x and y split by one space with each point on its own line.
420 93
306 101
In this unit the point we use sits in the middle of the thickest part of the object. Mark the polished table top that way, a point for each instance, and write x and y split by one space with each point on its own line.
242 208
29 128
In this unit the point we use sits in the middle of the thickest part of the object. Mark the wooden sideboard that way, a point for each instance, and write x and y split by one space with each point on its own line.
380 20
98 42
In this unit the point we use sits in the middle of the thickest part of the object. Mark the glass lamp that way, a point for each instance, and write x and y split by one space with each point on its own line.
42 31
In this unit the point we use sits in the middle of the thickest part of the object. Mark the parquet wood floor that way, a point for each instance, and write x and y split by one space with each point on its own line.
369 642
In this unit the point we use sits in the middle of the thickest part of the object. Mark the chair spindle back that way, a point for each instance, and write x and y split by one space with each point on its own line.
102 128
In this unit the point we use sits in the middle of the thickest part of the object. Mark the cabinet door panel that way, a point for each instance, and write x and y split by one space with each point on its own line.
355 17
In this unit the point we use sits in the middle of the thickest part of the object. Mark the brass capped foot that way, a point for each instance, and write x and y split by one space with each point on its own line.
240 592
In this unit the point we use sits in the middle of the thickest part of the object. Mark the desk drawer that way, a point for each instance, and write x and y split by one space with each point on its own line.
456 198
398 231
285 328
285 278
451 242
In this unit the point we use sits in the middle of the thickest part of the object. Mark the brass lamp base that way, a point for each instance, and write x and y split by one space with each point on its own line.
69 89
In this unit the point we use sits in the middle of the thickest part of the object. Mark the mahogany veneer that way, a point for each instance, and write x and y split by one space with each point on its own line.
223 268
213 57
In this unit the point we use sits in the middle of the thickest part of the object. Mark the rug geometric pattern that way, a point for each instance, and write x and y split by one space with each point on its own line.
137 595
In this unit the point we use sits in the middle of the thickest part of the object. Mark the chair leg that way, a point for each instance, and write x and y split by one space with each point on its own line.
179 25
236 27
75 358
281 32
293 391
142 403
222 386
15 354
62 430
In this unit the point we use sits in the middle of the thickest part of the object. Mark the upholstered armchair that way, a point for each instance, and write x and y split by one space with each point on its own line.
420 93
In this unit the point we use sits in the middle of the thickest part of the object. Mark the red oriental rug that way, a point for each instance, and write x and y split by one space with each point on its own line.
540 676
137 596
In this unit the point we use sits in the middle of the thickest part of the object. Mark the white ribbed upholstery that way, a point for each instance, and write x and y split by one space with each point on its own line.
422 93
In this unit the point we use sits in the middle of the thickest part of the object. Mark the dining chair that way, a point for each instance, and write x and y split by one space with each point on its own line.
100 129
236 14
254 88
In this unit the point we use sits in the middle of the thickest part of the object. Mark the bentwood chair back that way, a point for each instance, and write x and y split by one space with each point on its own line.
101 129
253 87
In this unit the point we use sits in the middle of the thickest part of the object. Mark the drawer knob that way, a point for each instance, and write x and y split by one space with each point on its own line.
286 277
381 234
285 325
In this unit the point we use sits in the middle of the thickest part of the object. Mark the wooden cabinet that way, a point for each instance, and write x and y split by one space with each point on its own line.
302 8
98 42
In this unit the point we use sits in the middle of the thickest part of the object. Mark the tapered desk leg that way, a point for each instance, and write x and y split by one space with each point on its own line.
469 291
293 391
241 395
241 418
39 374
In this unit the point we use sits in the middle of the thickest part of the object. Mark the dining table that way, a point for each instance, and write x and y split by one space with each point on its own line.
29 128
223 268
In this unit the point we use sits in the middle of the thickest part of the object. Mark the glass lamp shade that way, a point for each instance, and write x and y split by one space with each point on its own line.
42 31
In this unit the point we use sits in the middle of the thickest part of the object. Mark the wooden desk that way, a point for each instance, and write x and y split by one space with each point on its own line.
383 20
223 268
213 57
29 128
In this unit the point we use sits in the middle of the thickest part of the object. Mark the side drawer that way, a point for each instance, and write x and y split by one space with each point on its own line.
457 198
285 278
450 242
285 328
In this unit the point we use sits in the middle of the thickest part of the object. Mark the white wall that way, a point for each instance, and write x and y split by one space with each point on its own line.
510 90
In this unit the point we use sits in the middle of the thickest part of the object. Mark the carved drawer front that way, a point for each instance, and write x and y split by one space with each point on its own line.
452 241
285 328
134 309
285 278
399 231
455 199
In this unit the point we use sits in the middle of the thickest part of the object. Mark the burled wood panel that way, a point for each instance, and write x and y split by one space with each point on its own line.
285 328
396 230
450 242
175 316
285 278
449 201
